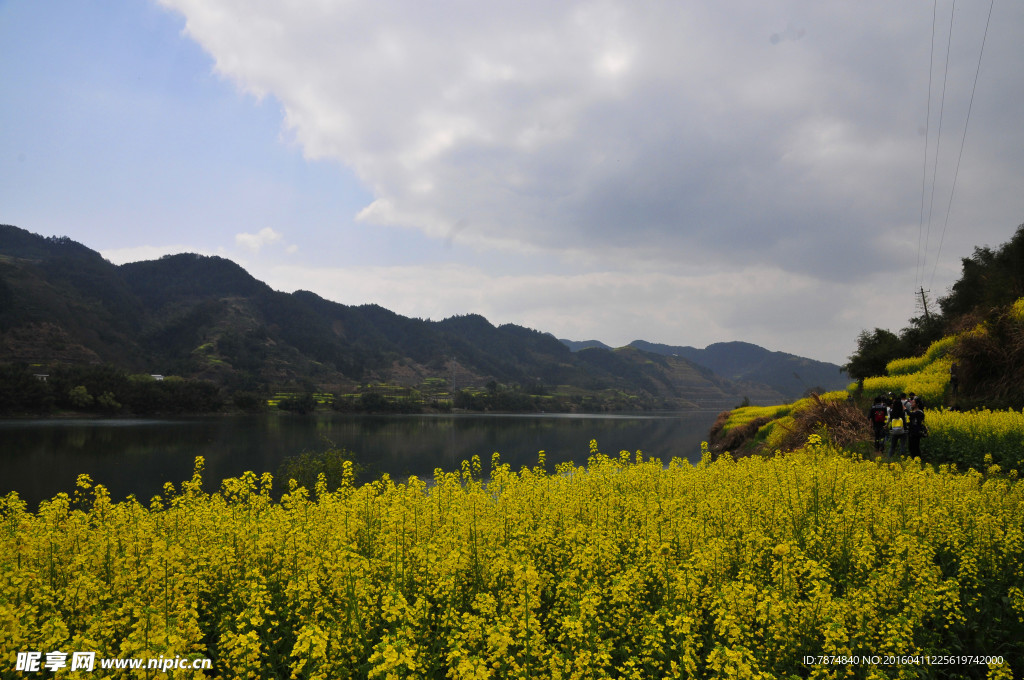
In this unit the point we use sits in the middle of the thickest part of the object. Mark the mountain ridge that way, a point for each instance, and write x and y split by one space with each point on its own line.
745 362
207 317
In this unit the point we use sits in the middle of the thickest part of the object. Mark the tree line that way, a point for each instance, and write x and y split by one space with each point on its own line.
103 390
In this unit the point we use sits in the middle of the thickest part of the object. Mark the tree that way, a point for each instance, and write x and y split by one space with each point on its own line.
22 392
303 404
922 332
108 403
991 279
875 349
251 402
80 397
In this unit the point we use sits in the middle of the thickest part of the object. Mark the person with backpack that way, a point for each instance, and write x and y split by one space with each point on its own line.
915 428
897 429
878 415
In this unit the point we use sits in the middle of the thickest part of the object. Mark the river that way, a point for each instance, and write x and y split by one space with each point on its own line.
40 458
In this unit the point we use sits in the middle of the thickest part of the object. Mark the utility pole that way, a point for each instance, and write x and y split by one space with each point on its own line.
924 304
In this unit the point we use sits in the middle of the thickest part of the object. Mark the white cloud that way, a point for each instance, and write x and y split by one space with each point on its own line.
255 242
711 130
777 141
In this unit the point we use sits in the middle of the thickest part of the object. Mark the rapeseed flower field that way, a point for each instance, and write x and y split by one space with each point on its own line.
937 350
977 439
623 568
930 381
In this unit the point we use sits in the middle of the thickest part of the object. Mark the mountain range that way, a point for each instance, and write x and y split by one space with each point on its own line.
745 362
206 317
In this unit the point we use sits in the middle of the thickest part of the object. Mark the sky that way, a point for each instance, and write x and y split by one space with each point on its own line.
777 172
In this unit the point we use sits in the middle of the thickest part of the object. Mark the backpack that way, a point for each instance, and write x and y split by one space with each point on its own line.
878 415
896 426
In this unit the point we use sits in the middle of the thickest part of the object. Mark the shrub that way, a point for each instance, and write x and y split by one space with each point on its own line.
335 465
990 361
831 416
782 427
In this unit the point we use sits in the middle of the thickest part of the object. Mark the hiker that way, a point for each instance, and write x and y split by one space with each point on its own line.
897 428
915 429
878 414
887 403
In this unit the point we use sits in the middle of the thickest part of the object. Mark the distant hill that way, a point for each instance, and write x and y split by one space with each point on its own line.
742 361
751 365
206 317
576 346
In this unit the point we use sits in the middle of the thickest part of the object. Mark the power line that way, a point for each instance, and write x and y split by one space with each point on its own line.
962 141
938 136
919 274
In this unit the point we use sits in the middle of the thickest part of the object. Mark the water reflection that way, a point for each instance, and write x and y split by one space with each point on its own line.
41 458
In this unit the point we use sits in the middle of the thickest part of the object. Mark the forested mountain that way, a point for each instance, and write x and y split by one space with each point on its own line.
789 374
206 317
748 364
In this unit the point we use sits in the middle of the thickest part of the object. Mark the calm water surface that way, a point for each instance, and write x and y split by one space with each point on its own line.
40 458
